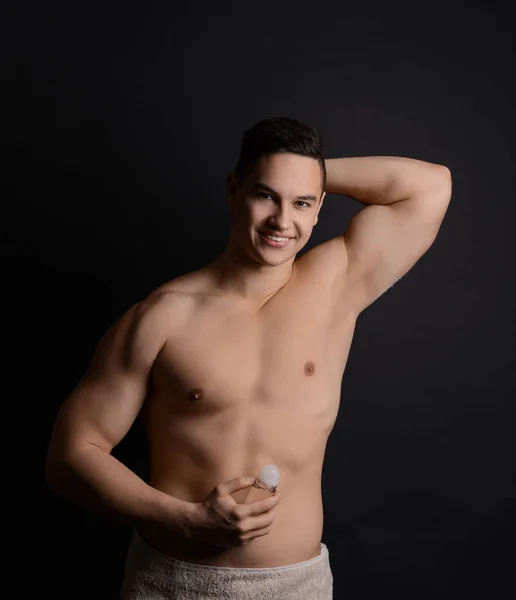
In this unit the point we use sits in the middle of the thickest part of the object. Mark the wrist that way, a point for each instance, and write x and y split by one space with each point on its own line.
190 517
170 513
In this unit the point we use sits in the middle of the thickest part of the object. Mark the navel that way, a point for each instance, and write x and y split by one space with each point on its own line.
196 394
309 368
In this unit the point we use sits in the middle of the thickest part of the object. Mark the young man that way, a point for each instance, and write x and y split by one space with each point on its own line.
239 365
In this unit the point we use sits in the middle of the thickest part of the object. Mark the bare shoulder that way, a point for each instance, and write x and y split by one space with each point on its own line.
149 321
165 306
139 332
186 284
169 306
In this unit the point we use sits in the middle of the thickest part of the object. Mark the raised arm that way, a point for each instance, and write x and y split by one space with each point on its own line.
406 201
98 414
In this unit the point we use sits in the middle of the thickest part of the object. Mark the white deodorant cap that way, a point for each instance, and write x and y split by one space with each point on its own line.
269 475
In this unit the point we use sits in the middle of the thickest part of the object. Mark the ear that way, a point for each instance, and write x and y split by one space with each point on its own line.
319 209
232 187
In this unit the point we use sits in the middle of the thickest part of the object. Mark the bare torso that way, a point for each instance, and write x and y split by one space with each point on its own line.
238 387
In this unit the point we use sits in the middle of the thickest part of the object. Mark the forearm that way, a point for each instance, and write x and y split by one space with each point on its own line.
98 482
381 179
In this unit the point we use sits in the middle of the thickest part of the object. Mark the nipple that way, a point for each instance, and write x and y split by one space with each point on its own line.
309 368
197 394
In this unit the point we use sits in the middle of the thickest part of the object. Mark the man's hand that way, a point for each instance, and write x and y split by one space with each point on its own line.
220 521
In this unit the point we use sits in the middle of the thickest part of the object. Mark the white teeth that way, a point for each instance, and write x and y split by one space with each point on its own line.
276 239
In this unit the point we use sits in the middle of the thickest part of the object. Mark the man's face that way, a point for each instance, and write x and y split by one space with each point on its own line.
281 196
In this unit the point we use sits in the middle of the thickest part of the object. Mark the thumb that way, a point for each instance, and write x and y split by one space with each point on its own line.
238 483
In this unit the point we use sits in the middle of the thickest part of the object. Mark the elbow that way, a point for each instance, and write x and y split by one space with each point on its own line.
442 185
445 176
448 184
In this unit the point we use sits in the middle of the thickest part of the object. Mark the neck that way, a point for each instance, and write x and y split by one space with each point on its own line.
237 275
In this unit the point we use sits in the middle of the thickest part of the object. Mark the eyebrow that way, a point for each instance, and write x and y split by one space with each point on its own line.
271 191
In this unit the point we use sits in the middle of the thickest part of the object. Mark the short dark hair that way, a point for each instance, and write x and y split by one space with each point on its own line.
279 134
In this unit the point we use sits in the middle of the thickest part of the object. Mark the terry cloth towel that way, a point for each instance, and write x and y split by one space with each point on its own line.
152 575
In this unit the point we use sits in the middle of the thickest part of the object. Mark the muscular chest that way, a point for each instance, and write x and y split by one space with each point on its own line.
225 357
289 356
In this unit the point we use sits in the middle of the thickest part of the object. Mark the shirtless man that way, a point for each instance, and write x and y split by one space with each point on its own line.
239 364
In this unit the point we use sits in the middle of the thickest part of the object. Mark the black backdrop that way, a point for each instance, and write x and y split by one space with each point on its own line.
120 123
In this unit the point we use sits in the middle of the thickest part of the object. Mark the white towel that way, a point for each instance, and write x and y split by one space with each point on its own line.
152 575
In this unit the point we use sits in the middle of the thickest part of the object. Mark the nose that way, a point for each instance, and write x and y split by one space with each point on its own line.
281 219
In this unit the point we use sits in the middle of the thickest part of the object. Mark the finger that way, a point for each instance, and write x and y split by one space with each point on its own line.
233 485
261 506
255 533
264 520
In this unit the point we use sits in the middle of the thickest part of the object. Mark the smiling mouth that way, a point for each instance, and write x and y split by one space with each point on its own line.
274 243
283 237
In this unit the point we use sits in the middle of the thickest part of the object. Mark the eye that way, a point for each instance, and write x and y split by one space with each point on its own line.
269 197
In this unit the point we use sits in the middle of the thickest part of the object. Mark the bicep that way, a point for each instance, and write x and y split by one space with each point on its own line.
101 409
383 242
107 400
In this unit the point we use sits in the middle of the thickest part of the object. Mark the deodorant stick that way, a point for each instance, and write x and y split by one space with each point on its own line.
264 485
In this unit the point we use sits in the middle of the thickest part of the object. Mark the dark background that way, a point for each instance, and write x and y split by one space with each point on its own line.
120 123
